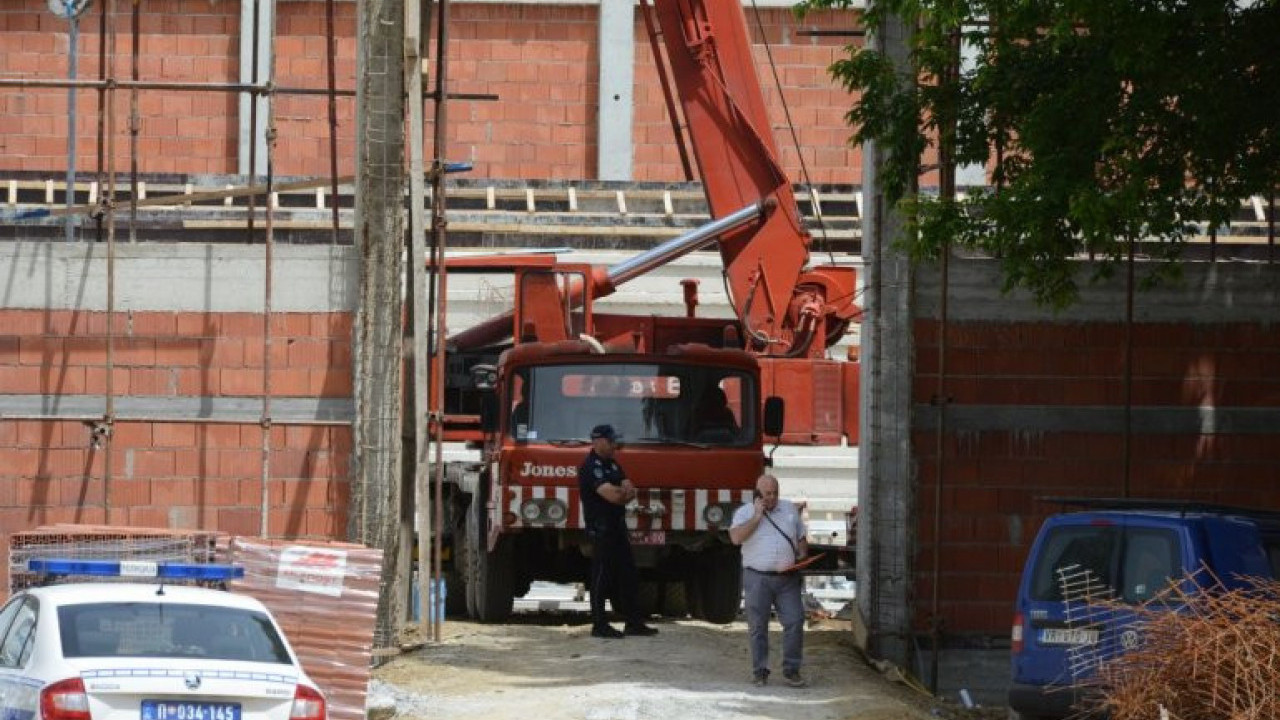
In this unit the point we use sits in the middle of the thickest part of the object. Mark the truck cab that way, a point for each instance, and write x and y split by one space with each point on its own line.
692 426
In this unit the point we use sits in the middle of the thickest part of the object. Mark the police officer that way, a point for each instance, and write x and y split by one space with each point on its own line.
605 492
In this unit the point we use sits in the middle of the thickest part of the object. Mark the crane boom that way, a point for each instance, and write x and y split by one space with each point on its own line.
783 306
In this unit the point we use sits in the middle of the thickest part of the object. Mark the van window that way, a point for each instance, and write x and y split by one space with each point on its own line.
1151 561
1075 560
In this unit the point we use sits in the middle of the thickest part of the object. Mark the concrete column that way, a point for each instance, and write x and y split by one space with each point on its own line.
617 78
250 135
887 477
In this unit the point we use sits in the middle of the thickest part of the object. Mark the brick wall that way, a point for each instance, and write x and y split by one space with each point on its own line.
541 60
1037 410
173 465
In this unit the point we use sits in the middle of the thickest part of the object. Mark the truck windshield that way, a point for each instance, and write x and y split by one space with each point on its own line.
645 403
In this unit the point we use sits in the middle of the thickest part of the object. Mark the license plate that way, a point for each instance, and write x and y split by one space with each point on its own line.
1068 636
178 710
648 537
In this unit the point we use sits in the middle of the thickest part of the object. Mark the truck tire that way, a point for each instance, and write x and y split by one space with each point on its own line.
455 589
490 585
675 599
720 588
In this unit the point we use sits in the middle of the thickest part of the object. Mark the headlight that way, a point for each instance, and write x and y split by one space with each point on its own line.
718 513
547 510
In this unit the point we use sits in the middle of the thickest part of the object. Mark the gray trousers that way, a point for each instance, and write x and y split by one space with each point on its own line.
761 593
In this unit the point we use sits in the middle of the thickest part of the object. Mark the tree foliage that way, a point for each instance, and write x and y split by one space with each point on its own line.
1099 122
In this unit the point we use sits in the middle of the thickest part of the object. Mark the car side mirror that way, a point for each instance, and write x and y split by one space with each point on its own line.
775 411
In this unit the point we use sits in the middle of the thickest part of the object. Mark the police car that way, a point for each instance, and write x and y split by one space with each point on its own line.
147 651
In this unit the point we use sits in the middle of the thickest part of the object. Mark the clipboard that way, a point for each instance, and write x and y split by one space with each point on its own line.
802 564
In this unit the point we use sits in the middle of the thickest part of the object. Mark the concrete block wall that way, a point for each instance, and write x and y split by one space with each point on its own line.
542 60
1037 409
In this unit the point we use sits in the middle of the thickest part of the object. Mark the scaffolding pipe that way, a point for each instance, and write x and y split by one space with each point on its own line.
438 247
135 122
269 246
108 419
331 41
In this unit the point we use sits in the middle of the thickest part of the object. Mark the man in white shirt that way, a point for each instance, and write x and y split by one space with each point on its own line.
772 535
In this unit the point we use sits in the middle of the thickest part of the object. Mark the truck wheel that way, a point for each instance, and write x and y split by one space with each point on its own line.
455 590
675 599
720 588
490 584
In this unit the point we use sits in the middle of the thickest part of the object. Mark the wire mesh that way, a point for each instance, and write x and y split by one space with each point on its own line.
1199 652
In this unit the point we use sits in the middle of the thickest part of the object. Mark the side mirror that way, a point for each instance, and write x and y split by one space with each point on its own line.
775 412
489 412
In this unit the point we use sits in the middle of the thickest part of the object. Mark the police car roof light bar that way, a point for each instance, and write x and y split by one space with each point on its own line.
136 569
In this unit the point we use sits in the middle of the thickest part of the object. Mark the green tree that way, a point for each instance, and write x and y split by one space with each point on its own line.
1099 122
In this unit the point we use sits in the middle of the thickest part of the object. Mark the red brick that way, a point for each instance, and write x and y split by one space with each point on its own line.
173 435
39 350
21 380
222 352
291 325
243 464
217 435
152 464
240 521
127 492
198 382
290 382
172 491
240 382
306 436
174 353
79 492
151 381
218 492
155 324
330 383
128 434
95 381
157 517
135 351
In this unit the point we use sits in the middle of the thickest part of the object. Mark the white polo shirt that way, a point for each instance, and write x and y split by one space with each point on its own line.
767 550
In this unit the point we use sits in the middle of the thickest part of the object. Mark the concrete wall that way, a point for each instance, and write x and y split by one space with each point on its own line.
542 60
1037 407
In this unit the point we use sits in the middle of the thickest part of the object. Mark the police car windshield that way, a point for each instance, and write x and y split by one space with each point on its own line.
645 402
169 630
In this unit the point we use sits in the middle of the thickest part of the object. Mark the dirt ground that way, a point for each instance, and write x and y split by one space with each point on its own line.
546 666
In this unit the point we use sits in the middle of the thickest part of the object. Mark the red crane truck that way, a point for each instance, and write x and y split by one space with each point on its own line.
693 398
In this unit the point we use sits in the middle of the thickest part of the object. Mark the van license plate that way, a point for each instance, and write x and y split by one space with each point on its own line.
1068 636
648 537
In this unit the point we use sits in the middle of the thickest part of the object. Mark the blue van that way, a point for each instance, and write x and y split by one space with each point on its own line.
1126 550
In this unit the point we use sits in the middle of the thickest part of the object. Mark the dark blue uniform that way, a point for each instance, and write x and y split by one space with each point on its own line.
613 569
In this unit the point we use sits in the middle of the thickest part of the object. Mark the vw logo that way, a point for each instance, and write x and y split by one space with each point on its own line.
1129 639
192 680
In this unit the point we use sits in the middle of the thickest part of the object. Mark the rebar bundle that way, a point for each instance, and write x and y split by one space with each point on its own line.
1200 653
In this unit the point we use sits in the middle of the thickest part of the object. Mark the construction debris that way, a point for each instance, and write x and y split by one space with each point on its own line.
1200 655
